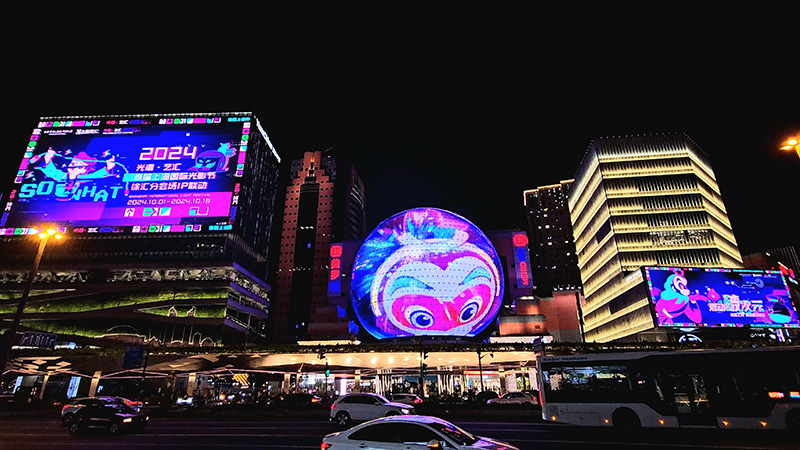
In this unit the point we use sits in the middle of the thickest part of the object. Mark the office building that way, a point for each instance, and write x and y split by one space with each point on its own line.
555 264
324 203
638 201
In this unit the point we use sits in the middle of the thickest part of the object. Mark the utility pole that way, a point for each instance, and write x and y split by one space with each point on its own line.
423 369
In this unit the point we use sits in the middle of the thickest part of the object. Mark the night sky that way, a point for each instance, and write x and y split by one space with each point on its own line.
458 111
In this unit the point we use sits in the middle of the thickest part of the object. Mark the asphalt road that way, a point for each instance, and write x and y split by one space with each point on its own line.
236 432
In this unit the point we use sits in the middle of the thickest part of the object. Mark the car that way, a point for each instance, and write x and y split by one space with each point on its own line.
408 399
513 398
191 401
361 407
68 411
297 401
22 397
114 418
409 432
485 396
533 393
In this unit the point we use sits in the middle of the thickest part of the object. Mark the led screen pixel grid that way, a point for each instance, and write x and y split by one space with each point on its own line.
693 297
130 174
426 272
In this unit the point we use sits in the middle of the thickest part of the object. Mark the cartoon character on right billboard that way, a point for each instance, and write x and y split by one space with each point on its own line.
677 304
720 297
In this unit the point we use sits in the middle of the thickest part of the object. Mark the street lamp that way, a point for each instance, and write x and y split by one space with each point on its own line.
480 365
44 236
792 144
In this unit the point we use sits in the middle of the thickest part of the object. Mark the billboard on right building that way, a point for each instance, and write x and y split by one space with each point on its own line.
716 297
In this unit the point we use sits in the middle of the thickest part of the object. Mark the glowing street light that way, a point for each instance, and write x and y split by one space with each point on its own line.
792 144
44 236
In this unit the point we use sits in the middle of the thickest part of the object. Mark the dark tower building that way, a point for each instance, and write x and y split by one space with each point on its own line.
324 203
555 264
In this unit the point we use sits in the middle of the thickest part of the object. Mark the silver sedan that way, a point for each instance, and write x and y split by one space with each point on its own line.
409 432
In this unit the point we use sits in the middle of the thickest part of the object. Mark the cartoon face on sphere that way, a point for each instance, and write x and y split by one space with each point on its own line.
426 272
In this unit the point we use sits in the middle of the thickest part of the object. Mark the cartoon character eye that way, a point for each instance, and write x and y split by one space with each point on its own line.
420 317
469 311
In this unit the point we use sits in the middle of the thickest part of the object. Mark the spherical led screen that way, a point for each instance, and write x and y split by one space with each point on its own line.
426 272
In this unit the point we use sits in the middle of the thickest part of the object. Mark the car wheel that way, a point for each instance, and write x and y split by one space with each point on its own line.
74 428
114 428
625 418
343 419
67 419
793 420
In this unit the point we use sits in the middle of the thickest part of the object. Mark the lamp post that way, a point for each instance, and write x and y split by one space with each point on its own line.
5 352
480 365
792 144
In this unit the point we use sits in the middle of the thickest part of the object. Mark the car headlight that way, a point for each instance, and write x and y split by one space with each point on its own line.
405 411
127 420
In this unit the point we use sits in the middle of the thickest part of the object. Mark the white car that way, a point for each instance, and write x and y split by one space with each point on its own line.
513 398
360 407
409 432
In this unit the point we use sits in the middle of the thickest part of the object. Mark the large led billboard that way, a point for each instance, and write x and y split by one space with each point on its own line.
140 174
426 272
706 297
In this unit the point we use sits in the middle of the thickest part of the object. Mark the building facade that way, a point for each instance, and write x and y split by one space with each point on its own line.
325 202
555 264
186 263
636 201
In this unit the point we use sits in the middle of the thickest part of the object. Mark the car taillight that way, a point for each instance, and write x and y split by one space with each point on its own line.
64 408
332 405
325 446
314 400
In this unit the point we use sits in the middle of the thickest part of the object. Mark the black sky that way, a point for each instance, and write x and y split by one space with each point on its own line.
461 111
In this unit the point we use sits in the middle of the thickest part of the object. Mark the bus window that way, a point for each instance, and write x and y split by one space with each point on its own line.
588 383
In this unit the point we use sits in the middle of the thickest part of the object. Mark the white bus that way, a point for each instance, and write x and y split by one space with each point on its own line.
735 388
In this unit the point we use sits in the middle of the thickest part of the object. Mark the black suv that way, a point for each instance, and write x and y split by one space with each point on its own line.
111 417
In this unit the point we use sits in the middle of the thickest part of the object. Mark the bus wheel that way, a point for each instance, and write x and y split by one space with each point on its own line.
793 420
625 418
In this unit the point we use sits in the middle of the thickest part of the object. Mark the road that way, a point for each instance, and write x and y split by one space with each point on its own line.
20 432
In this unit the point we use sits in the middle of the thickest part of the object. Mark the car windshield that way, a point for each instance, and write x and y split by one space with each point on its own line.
458 435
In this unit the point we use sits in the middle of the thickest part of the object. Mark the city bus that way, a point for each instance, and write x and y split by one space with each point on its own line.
755 388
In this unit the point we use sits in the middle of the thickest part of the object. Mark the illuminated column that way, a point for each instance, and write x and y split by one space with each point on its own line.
502 375
191 383
95 382
44 384
287 382
533 376
357 384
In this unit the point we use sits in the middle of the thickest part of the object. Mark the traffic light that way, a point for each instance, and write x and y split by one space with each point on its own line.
424 369
327 370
